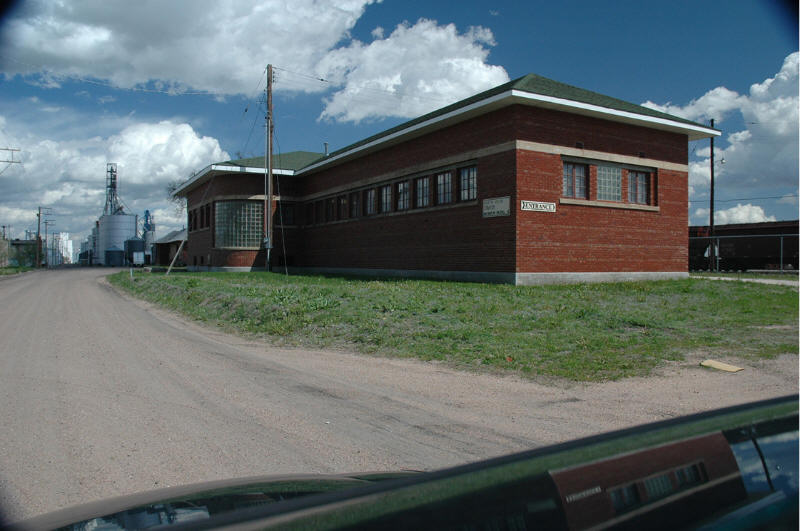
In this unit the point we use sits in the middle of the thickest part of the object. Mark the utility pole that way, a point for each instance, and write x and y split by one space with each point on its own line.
712 255
10 160
46 250
268 173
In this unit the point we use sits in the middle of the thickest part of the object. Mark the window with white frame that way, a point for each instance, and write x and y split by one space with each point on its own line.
403 196
369 201
638 187
444 188
575 181
386 198
239 224
467 183
423 192
609 183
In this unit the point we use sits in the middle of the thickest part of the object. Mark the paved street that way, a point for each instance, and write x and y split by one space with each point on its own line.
102 396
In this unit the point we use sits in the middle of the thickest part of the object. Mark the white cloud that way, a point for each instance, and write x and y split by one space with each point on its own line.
763 155
224 47
69 175
414 70
739 214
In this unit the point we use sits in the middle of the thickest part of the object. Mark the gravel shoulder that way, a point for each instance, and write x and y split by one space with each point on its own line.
103 395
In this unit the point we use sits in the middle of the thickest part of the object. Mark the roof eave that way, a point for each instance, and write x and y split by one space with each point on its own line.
509 97
213 170
692 131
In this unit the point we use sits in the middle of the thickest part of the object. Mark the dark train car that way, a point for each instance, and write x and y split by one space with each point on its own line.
770 245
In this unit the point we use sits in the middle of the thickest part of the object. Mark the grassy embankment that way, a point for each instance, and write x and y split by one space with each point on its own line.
13 270
766 276
580 332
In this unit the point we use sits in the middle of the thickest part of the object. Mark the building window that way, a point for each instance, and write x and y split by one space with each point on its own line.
638 187
370 202
342 202
609 183
319 211
286 214
444 188
423 192
403 196
386 198
330 209
575 181
355 205
467 184
309 213
239 224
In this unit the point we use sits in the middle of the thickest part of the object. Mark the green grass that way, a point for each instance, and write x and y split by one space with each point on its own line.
584 332
769 276
13 270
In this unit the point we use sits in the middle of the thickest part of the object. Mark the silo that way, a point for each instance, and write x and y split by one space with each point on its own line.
113 230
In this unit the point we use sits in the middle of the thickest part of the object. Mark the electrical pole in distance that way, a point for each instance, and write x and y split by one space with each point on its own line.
712 255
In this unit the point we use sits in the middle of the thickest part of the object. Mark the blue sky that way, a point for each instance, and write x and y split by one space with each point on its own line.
85 83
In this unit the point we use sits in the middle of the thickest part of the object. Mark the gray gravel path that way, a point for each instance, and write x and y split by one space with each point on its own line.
101 396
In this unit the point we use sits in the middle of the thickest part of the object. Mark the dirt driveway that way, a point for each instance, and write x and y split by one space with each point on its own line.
101 396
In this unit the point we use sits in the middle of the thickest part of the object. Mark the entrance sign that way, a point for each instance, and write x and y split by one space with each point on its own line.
537 206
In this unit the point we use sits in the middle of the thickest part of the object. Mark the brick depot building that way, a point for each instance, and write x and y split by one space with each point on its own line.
531 182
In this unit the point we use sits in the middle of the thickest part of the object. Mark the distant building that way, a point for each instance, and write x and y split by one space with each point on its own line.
533 181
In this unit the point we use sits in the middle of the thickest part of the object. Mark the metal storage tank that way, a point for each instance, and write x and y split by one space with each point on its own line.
114 257
133 245
113 230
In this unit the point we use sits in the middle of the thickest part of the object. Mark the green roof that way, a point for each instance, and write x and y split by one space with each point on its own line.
293 160
533 84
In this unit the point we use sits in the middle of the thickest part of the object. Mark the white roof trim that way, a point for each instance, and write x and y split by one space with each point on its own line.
561 102
699 131
225 168
416 127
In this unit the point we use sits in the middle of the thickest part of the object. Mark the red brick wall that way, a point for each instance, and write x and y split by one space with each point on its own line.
579 238
576 238
453 238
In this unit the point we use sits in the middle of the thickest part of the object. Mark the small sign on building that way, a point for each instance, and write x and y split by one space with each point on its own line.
497 206
538 206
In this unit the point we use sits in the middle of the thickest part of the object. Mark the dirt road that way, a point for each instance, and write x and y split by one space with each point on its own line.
102 396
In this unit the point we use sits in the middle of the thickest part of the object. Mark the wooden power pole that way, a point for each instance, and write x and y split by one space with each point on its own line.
268 174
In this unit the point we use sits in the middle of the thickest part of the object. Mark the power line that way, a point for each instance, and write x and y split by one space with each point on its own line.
743 199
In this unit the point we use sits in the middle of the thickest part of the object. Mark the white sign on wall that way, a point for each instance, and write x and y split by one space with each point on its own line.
497 206
538 206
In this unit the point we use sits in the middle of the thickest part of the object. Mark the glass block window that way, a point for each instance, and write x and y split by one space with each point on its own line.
444 188
239 224
386 198
423 192
467 183
638 187
403 196
575 181
355 205
609 183
370 201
